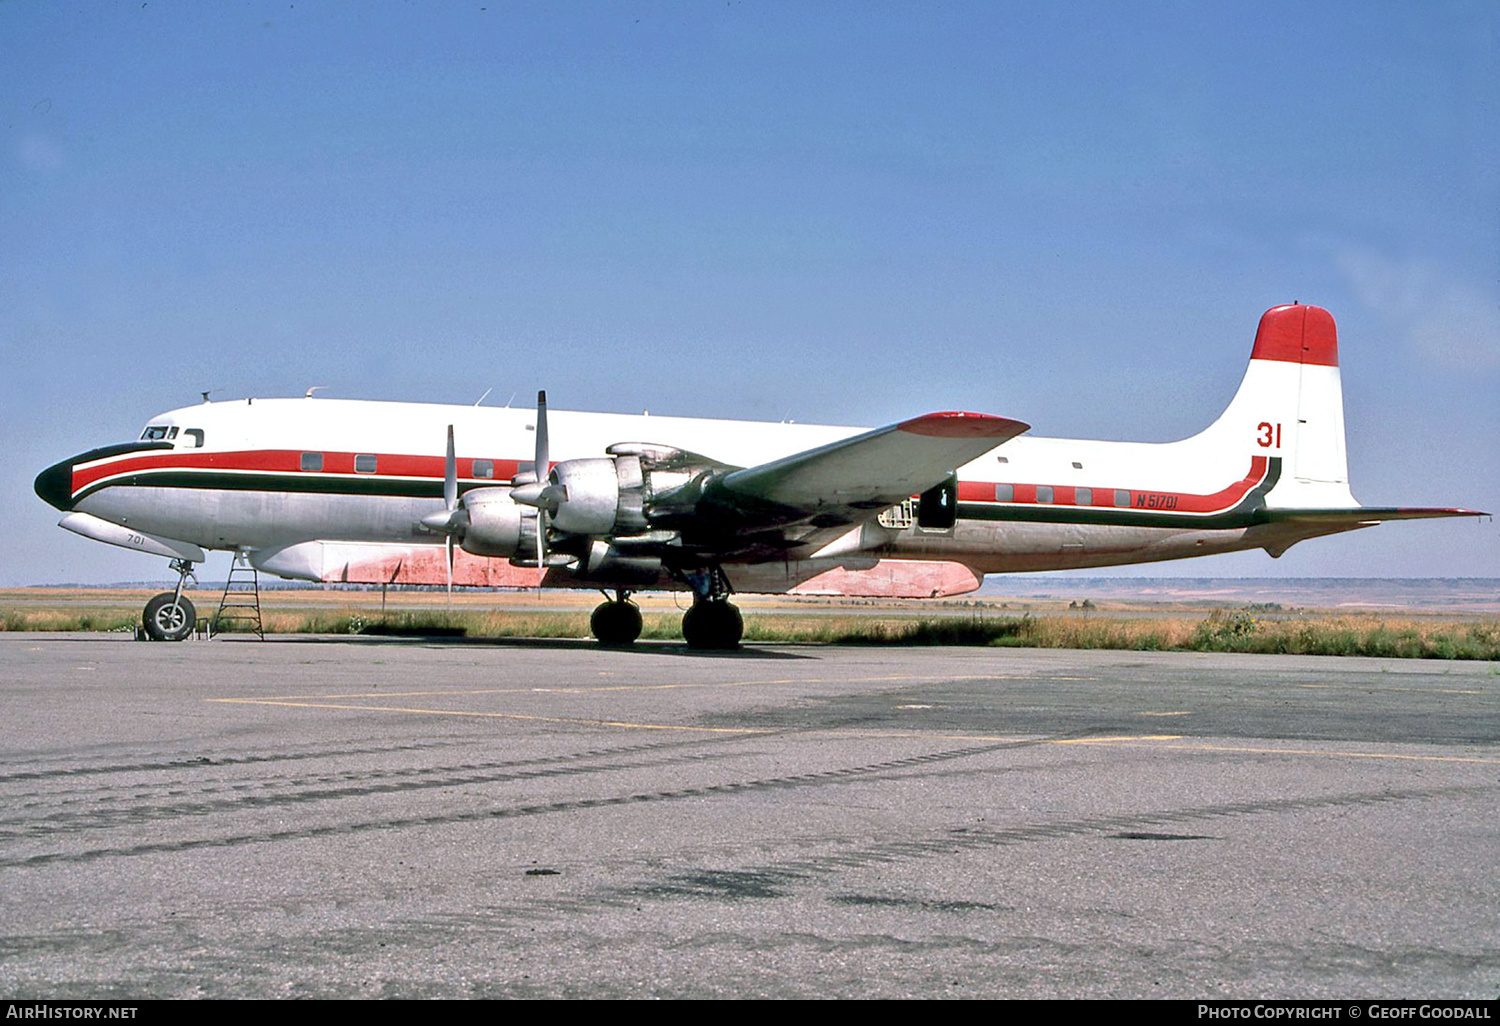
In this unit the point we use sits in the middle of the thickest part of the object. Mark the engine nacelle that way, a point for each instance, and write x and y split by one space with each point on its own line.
600 496
603 562
496 525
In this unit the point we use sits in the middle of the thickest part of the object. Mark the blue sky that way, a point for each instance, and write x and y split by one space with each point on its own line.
1072 214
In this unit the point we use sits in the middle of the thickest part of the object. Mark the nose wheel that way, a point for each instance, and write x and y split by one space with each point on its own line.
170 616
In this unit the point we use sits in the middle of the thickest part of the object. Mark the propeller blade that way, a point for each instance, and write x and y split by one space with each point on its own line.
542 466
449 541
541 545
450 475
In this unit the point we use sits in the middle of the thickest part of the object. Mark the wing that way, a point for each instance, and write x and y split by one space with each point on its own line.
646 503
874 470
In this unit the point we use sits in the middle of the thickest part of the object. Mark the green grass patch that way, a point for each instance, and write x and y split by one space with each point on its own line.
1243 630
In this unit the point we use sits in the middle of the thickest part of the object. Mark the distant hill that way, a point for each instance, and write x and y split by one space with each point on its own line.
1471 594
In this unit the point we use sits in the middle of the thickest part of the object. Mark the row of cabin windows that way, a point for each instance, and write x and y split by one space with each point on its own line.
365 463
1081 496
192 438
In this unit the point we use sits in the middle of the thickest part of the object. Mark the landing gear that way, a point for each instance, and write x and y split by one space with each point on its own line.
713 622
169 616
616 622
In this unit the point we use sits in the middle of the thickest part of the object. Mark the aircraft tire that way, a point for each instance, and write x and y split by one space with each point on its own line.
616 624
710 626
165 620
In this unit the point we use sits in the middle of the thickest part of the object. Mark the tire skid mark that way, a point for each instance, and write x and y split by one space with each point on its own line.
101 792
104 791
94 819
846 774
781 879
198 762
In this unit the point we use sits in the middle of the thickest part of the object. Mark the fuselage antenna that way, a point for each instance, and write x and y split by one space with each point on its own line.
482 398
310 391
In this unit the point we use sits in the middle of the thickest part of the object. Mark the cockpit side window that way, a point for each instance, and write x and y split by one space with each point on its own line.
192 438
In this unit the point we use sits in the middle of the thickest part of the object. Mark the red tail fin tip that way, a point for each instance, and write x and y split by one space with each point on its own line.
1297 334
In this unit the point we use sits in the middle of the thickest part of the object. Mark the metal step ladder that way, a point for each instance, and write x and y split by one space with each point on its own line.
241 600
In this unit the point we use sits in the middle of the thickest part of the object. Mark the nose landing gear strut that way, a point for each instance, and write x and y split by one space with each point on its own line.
170 616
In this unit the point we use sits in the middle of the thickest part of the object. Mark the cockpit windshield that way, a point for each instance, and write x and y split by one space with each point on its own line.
192 438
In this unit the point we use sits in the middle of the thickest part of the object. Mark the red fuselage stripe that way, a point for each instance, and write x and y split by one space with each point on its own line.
1104 498
289 461
284 461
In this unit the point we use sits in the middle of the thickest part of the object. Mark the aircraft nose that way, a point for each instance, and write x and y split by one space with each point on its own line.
55 485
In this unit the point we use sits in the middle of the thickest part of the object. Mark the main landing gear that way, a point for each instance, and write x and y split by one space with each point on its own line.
713 622
616 622
170 616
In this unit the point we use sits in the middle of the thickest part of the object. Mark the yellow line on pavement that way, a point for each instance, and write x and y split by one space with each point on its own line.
488 715
1334 754
1158 741
1358 687
603 688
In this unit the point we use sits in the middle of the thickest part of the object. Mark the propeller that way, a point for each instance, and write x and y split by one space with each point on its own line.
537 492
542 464
452 520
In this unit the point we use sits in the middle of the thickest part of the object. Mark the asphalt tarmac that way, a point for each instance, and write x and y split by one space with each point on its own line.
357 817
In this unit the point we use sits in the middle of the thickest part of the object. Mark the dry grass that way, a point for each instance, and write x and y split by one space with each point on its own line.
1218 631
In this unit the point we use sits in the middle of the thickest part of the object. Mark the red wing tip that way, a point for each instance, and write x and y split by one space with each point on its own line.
958 424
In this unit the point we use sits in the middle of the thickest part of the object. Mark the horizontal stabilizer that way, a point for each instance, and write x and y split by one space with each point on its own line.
878 468
1369 514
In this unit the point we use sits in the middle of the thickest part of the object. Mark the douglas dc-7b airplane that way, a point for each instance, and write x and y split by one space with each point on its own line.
403 493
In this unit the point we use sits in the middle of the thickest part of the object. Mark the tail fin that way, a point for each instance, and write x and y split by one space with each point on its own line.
1290 409
1290 406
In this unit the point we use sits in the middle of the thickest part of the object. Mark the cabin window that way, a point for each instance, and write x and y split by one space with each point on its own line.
1002 459
1122 497
364 463
484 468
155 433
1043 493
1005 493
192 438
1083 496
312 461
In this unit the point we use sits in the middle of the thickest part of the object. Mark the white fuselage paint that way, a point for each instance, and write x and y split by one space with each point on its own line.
1275 393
